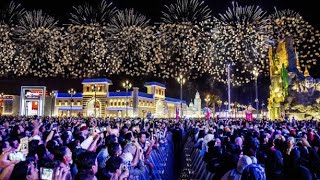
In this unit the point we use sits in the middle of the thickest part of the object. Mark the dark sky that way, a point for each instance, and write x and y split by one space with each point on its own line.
152 9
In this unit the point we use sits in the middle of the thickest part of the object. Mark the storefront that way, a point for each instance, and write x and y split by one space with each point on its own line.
32 100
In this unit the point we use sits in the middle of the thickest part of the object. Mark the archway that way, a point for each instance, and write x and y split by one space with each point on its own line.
93 110
159 108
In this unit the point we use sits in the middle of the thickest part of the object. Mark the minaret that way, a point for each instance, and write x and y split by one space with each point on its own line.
297 61
197 104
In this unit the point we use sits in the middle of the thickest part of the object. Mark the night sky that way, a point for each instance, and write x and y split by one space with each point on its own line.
152 9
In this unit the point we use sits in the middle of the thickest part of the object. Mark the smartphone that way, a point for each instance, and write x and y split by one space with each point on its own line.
91 130
298 140
19 156
46 173
54 125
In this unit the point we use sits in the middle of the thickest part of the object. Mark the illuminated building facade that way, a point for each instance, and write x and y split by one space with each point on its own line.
194 109
293 92
9 105
97 100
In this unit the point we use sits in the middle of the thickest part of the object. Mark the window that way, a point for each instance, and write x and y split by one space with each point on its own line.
111 104
59 102
122 103
88 88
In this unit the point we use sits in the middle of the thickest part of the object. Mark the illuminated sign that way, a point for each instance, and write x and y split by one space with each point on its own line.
33 94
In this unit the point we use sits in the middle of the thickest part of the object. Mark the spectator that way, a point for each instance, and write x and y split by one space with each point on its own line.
25 170
235 174
87 163
114 170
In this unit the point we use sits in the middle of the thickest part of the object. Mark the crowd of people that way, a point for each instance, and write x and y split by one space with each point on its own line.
239 149
80 148
103 148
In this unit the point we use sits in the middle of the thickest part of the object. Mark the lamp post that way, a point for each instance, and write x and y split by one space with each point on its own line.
181 80
72 92
1 105
232 104
53 95
95 88
219 102
256 74
127 86
238 106
226 104
262 109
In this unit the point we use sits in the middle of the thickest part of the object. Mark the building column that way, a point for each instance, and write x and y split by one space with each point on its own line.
135 102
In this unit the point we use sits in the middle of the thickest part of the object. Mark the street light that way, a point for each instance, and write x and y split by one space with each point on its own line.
238 106
1 105
256 74
53 95
181 80
262 109
95 88
127 86
232 104
219 102
72 92
226 104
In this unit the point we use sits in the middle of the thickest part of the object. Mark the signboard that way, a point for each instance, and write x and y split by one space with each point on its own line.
32 94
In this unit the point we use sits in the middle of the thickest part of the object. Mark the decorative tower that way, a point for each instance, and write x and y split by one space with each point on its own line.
158 91
306 72
278 59
197 104
298 62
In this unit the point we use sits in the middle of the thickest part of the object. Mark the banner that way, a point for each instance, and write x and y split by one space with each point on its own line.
177 113
249 116
208 113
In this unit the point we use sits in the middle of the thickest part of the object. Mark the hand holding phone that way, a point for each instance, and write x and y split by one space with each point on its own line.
46 173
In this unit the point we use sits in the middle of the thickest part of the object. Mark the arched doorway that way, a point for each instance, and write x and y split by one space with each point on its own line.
159 109
93 110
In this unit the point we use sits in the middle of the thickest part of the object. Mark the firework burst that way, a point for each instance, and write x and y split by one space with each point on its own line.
183 49
192 11
306 39
40 52
12 14
35 19
127 18
88 14
134 49
7 51
87 51
242 43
